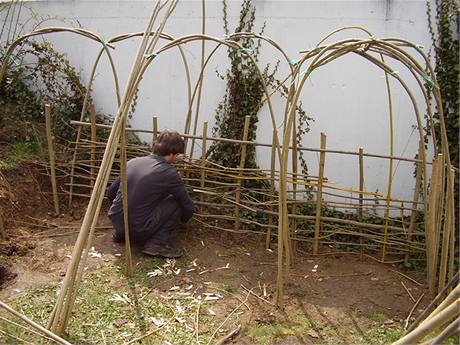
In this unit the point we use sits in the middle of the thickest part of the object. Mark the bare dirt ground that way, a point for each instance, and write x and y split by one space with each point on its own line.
338 295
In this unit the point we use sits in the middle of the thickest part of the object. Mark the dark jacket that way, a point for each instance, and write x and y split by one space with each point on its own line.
150 180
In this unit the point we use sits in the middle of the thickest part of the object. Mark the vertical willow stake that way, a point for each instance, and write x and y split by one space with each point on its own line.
272 191
50 141
390 168
440 208
452 255
93 145
154 130
413 216
403 223
203 158
319 197
360 210
124 195
240 171
59 317
294 188
449 225
201 79
430 229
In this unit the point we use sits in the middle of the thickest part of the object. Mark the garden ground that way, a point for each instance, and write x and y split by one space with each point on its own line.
224 284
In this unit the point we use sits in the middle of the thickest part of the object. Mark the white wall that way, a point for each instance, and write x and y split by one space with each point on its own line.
347 98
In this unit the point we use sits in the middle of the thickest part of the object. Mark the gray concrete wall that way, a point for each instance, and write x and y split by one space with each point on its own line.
347 98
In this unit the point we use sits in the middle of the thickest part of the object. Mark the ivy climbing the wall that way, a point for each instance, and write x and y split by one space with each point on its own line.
444 27
243 95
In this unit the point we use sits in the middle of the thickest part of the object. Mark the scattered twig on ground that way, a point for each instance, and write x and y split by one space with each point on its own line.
26 329
231 294
197 323
256 295
407 277
384 262
326 254
408 292
267 263
55 337
143 336
229 336
412 311
228 317
14 337
332 275
154 287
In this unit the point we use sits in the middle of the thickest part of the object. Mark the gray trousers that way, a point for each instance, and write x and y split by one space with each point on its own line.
159 227
165 217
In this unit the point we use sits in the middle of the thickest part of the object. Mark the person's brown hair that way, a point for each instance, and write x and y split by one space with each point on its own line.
167 143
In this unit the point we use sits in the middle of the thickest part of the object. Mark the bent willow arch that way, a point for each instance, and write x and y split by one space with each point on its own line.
372 49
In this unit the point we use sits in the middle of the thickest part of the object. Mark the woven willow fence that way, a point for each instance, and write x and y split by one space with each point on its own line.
226 204
279 208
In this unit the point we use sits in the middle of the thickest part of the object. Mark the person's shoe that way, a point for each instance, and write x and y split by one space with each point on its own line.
165 251
116 237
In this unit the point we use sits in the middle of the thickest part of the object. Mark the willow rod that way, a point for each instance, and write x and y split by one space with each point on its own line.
201 79
58 319
85 104
449 227
272 191
431 224
203 158
452 253
413 216
52 158
319 194
361 187
114 72
93 139
390 168
236 141
27 330
124 196
424 329
247 120
300 86
437 99
452 329
53 336
453 296
294 185
440 296
321 56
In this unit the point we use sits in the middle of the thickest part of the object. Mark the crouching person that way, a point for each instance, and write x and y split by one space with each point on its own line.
157 198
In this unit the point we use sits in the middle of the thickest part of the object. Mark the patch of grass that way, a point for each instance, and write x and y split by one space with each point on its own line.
295 325
36 305
20 151
453 340
356 310
228 288
385 335
146 265
266 334
113 309
377 317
